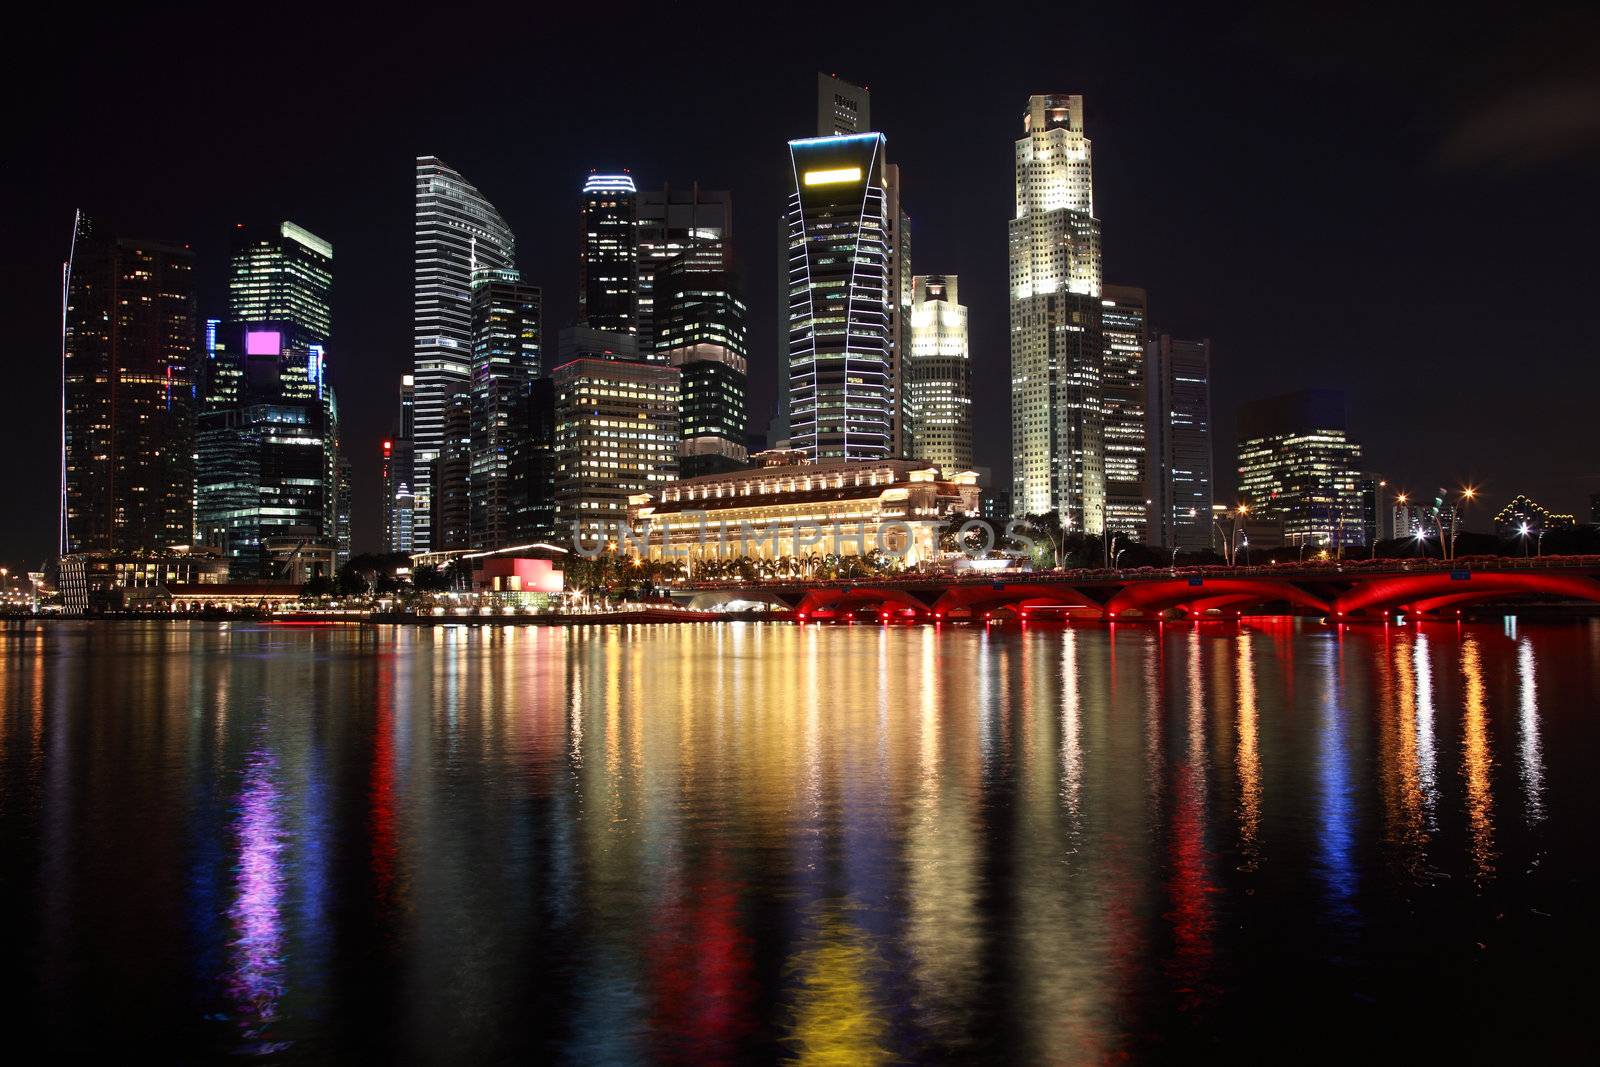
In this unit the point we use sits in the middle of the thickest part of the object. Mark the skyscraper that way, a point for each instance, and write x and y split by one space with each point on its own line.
938 375
128 354
267 465
506 347
841 395
672 223
701 330
608 261
399 459
282 273
1178 435
1124 318
901 288
1297 464
457 230
616 435
1056 351
451 477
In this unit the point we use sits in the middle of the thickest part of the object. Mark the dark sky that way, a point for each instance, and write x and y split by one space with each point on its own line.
1403 207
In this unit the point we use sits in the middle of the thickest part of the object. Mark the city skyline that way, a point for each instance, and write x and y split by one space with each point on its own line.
1183 299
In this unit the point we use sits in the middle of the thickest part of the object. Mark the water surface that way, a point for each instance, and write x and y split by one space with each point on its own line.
737 842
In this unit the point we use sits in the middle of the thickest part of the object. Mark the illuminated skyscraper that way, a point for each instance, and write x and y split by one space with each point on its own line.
841 394
1297 464
451 517
673 223
938 375
1178 436
267 465
128 377
1057 434
457 230
505 361
399 458
1124 330
700 329
843 108
616 432
608 262
282 273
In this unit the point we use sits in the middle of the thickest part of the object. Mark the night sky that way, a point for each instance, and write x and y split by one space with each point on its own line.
1402 208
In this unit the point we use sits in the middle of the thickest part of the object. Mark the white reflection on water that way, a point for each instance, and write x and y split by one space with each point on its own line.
1532 753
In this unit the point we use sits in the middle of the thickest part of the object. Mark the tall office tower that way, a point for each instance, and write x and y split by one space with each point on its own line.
616 435
506 359
841 394
267 469
533 467
399 473
128 346
451 516
282 273
939 375
700 329
1057 437
1178 437
1297 464
676 222
1124 329
842 108
608 261
457 231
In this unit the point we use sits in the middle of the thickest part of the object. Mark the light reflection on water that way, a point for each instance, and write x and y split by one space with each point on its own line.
726 843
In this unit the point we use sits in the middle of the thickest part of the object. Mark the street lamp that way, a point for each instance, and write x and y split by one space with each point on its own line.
1447 547
1523 531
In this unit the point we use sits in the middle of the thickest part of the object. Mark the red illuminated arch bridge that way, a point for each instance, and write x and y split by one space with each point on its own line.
1349 590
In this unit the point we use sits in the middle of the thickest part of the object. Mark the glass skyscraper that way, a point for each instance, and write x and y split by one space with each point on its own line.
673 223
1178 420
608 265
700 328
1057 438
840 346
457 231
128 379
506 344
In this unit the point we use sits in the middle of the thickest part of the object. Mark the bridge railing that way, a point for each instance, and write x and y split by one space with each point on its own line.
1320 570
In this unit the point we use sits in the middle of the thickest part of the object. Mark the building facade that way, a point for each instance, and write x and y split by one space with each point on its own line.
1056 349
938 375
458 231
450 517
128 379
608 259
1297 464
616 435
1124 331
700 328
799 510
840 346
1178 435
506 359
692 224
399 459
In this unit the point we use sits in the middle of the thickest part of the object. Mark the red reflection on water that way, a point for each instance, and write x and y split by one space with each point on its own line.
381 790
700 970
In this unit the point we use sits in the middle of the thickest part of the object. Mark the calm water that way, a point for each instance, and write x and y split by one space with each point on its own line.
712 843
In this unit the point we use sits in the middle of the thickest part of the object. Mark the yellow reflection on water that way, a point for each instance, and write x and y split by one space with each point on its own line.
1400 760
835 1020
1477 763
1248 759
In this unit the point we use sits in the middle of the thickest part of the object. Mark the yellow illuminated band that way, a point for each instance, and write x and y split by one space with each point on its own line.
837 176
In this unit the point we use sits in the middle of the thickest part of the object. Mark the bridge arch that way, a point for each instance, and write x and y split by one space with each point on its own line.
1150 597
1440 588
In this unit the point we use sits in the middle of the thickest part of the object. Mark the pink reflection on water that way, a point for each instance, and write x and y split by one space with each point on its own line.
255 976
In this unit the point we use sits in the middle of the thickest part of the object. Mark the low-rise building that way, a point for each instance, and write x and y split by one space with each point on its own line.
787 508
95 582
